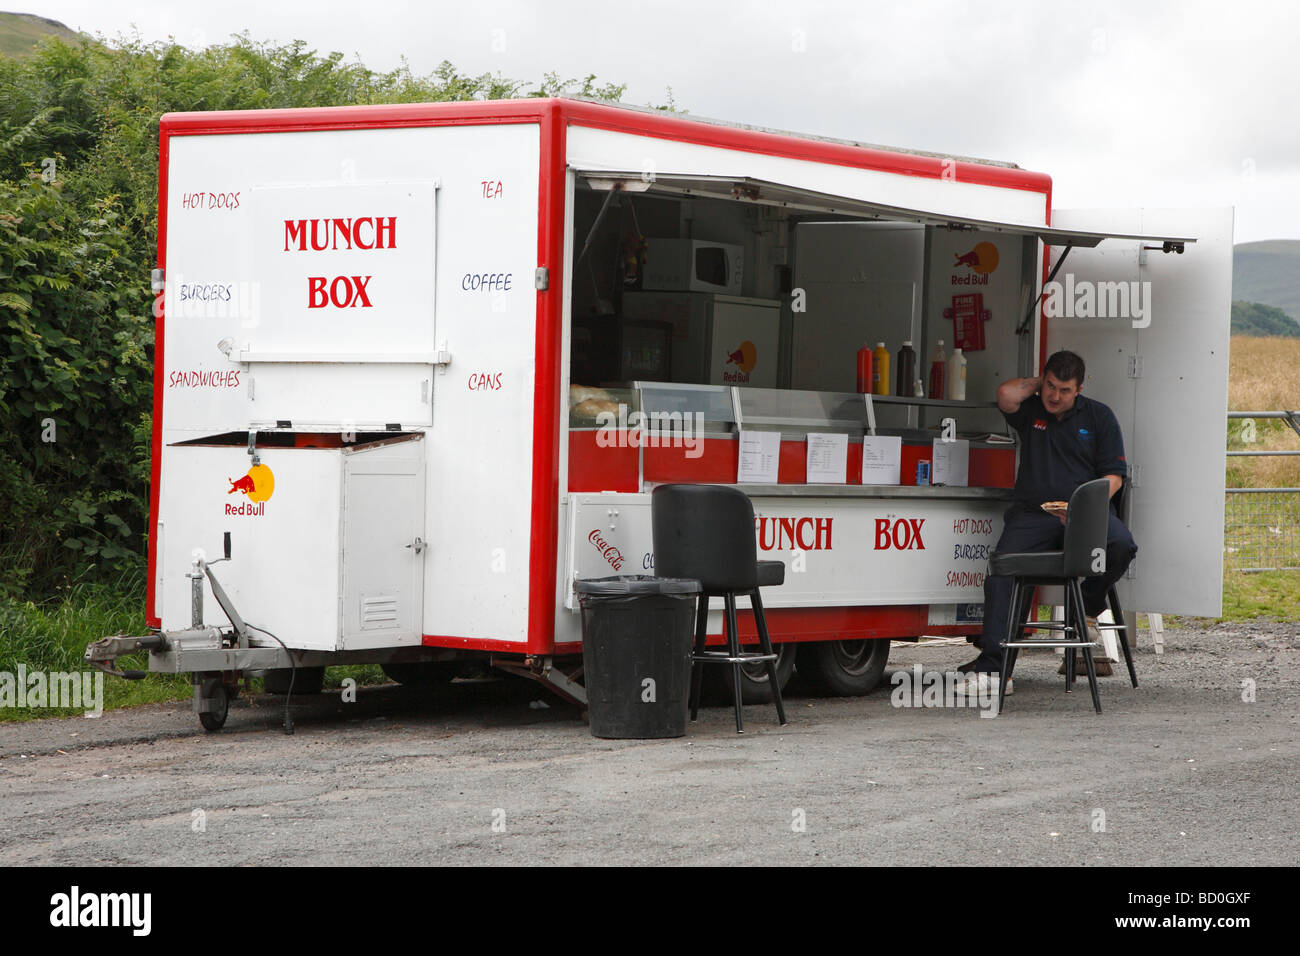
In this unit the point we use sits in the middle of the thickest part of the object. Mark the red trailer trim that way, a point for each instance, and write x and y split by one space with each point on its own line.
151 617
544 538
474 644
667 126
798 625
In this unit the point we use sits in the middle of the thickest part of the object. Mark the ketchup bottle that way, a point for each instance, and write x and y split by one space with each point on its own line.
864 368
937 367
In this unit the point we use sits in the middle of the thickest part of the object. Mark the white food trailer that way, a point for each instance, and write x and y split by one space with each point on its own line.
419 367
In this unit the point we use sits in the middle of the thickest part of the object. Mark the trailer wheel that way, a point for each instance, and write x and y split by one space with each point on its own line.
754 686
844 668
423 674
309 680
213 691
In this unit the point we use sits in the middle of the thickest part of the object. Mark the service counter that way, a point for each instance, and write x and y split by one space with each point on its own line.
862 560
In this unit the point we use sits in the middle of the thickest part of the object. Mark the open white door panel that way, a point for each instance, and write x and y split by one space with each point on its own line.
1157 354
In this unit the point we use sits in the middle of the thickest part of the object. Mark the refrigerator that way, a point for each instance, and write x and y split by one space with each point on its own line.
715 339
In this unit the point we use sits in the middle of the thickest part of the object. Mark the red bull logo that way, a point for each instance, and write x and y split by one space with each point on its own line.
256 486
744 358
981 260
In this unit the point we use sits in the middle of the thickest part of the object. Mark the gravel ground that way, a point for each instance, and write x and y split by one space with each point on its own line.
1181 771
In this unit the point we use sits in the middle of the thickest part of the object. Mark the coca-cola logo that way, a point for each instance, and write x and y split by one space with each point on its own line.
610 553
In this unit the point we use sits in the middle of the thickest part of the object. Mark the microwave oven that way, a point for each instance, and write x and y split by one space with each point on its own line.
693 265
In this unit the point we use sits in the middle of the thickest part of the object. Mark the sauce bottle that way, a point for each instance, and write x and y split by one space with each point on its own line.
957 376
880 370
938 366
864 368
906 369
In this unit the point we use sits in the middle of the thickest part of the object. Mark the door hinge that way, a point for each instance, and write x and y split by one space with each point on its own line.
1135 366
542 278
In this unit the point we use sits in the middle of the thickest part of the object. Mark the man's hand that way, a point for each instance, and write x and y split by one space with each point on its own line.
1014 391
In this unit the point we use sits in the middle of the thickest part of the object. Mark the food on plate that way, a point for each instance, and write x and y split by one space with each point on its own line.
1056 507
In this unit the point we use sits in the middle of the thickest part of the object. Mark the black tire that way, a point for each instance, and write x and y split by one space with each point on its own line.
213 690
754 686
309 680
843 668
423 673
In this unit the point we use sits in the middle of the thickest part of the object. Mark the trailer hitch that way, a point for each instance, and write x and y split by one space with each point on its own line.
103 653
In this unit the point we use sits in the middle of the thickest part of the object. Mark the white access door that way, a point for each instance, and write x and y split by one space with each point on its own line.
383 545
1162 366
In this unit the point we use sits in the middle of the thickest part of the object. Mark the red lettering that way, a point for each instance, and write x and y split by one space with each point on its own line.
915 533
334 293
765 541
324 241
824 525
799 528
343 226
362 300
388 225
786 534
295 231
356 232
901 543
882 534
315 289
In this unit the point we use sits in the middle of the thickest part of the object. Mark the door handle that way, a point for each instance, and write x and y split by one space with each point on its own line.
417 544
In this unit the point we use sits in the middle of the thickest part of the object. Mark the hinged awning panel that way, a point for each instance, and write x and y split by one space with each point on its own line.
764 192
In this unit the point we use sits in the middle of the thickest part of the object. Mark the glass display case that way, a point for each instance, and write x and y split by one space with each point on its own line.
591 407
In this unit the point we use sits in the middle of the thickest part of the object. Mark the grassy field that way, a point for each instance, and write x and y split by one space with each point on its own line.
1262 530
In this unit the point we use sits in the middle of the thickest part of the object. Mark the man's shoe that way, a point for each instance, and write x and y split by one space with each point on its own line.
1102 664
968 667
1099 659
973 683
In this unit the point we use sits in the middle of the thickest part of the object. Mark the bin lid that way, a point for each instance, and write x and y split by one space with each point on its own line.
623 585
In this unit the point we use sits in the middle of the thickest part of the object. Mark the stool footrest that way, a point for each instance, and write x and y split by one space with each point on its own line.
1048 625
722 657
1048 643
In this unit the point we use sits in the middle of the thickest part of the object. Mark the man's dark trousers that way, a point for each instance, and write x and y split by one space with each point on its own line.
1035 530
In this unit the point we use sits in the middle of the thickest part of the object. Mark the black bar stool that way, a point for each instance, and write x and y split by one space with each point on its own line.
706 533
1112 596
1086 523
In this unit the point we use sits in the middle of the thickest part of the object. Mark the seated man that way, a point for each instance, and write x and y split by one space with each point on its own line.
1065 440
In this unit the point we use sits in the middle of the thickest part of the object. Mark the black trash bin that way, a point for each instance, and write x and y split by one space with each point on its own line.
637 633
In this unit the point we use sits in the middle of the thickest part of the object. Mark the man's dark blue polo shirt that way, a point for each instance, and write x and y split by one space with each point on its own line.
1058 456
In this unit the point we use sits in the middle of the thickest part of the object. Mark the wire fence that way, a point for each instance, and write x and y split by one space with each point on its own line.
1261 526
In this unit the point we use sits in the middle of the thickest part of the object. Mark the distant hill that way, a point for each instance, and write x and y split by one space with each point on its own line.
1252 318
20 31
1268 273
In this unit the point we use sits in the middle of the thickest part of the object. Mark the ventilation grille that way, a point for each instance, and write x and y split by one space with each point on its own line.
379 612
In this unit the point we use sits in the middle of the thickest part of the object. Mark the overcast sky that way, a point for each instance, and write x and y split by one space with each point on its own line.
1123 104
